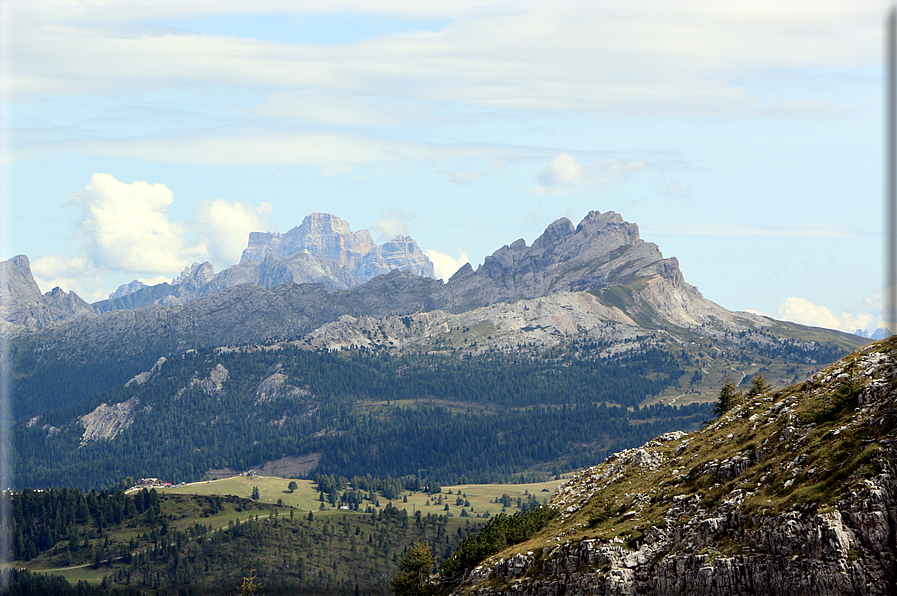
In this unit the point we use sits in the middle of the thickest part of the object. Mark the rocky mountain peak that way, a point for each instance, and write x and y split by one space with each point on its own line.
602 250
319 234
21 300
128 288
325 235
19 286
196 275
554 234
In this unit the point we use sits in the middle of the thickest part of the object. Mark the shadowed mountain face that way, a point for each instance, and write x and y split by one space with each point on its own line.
22 303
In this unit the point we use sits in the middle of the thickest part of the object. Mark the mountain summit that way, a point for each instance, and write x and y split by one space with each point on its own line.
602 252
325 235
323 249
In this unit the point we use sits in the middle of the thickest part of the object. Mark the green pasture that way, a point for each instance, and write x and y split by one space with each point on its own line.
74 575
482 497
305 497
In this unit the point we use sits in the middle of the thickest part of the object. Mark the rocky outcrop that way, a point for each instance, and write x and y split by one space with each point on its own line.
107 421
789 493
22 303
149 375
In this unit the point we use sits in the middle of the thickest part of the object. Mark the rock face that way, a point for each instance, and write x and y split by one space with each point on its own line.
22 303
106 421
793 492
602 252
325 235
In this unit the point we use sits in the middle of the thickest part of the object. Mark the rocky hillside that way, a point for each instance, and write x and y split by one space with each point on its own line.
789 492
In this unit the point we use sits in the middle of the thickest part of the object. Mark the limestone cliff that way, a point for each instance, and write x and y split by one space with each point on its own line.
323 249
327 236
790 492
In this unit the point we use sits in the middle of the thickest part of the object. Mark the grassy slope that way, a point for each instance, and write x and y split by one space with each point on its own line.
183 511
836 444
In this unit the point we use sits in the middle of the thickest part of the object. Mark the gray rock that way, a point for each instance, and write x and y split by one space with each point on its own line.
325 235
22 303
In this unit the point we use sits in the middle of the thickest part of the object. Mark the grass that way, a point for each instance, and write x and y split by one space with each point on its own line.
306 497
328 550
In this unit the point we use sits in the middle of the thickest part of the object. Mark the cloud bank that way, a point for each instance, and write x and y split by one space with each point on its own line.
801 310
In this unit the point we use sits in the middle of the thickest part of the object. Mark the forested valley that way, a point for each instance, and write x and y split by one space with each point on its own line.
498 417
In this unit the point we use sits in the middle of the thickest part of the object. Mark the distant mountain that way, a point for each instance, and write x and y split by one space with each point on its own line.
791 491
325 235
323 249
879 333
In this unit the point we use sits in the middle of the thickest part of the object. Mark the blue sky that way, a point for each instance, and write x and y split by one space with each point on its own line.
743 138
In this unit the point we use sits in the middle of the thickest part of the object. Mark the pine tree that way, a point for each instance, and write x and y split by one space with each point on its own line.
250 585
729 396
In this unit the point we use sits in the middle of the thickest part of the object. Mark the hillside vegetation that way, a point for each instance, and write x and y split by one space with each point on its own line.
204 538
790 491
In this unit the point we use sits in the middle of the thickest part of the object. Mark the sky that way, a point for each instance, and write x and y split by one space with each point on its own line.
744 138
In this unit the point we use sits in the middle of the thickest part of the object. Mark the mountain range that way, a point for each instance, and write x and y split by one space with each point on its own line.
587 316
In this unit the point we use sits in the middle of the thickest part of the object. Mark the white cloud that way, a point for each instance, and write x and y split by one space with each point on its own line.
392 223
330 152
225 227
565 173
125 227
75 274
561 171
445 265
615 58
801 310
